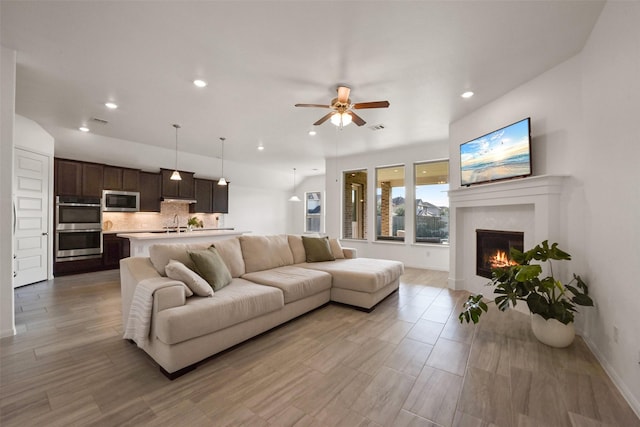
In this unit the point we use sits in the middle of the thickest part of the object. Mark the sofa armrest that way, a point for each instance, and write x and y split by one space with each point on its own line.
132 271
169 297
350 253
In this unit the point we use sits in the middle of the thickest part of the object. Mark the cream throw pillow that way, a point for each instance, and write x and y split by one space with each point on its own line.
336 248
178 271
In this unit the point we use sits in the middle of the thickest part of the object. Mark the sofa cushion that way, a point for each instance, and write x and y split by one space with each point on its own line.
317 249
297 248
360 274
336 249
231 253
196 284
240 301
264 252
161 253
211 267
295 282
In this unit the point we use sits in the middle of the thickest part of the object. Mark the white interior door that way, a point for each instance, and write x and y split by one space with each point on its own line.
31 217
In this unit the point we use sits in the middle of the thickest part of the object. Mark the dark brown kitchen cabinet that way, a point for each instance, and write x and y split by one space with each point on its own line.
114 248
183 189
150 191
220 198
203 189
92 179
125 179
68 177
75 178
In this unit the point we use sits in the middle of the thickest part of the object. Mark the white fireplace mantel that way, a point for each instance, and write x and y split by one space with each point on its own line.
542 193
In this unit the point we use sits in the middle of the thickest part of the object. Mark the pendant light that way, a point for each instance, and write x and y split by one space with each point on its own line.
175 176
294 198
222 181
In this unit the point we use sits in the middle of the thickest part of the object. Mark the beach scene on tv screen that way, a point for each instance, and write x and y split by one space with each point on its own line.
498 155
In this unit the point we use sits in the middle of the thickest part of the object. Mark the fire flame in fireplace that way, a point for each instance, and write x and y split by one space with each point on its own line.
500 259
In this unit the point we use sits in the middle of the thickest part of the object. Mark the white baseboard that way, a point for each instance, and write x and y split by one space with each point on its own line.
613 375
7 333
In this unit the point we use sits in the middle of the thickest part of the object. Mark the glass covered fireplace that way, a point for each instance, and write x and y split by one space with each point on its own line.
493 248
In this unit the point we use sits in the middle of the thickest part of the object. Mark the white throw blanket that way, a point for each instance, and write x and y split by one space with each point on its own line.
139 321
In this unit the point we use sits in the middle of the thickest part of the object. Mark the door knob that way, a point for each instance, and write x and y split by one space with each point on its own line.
45 234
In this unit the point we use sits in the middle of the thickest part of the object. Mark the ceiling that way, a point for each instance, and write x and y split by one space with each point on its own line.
260 58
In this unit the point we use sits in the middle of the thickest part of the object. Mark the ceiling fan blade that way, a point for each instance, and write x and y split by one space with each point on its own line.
343 94
313 105
357 119
375 104
324 118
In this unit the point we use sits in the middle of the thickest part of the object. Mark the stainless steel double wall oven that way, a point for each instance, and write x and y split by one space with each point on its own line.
78 228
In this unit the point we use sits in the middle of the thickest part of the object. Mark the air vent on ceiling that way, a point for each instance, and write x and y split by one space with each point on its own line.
97 120
377 127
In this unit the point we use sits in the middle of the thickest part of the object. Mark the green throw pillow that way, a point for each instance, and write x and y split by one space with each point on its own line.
317 249
211 267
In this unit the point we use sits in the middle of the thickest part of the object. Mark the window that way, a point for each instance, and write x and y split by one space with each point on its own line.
354 224
432 202
313 212
390 203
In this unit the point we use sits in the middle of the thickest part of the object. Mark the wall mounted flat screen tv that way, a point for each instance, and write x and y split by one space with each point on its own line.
502 154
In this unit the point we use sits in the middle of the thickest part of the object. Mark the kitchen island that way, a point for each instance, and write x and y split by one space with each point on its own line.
140 242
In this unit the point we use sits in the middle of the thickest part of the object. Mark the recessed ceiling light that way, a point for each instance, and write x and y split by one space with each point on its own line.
312 132
260 147
111 105
83 129
200 83
467 94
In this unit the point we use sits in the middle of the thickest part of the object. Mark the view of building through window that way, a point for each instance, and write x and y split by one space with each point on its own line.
432 202
354 216
390 199
313 212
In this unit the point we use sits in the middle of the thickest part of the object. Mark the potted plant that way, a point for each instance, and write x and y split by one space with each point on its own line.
194 222
551 303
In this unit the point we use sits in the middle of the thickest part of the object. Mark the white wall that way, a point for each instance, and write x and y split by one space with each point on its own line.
604 205
413 255
585 123
30 136
7 111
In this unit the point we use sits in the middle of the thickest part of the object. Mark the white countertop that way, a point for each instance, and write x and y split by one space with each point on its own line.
181 235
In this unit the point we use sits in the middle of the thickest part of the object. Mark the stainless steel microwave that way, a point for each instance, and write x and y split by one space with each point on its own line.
120 201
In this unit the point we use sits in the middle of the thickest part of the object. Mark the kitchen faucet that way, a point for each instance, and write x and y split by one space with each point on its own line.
176 221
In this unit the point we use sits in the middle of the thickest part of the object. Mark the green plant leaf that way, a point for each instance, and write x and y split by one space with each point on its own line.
528 272
582 299
538 304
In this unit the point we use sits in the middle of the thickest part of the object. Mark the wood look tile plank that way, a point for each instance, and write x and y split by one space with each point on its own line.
334 366
425 331
383 398
484 394
450 356
434 395
409 357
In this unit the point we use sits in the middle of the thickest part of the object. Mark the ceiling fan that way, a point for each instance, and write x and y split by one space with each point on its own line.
342 107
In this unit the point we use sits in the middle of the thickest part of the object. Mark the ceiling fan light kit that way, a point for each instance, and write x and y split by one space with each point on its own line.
343 113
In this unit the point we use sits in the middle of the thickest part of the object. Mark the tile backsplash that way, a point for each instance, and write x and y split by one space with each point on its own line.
129 221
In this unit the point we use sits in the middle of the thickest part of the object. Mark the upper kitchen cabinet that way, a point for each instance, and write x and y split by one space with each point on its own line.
74 178
183 189
125 179
150 191
220 198
203 195
68 177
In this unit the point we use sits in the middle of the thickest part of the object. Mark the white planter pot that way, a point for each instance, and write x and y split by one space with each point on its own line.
552 332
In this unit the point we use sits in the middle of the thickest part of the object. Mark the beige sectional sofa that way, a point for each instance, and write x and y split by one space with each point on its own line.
271 283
